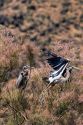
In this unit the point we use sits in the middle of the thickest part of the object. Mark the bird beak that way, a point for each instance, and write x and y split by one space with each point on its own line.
76 68
27 66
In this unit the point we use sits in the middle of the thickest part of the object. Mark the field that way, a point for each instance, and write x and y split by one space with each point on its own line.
26 27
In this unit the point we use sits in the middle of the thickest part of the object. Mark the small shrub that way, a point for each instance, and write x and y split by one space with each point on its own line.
68 119
17 119
37 119
62 108
50 104
4 74
16 104
9 59
14 61
16 99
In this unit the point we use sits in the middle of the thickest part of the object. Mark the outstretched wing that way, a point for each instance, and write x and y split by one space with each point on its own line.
56 62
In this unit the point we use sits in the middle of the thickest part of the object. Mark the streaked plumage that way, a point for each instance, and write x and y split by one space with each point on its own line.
22 78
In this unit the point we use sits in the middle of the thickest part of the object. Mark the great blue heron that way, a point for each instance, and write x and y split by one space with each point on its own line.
22 78
61 68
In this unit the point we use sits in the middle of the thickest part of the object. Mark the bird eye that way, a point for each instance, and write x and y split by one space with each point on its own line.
21 73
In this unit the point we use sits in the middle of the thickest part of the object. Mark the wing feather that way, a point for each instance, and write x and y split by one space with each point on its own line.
19 80
56 61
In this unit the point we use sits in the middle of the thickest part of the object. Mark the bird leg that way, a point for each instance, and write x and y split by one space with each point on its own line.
43 94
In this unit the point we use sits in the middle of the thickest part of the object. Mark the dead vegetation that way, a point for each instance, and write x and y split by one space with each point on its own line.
30 26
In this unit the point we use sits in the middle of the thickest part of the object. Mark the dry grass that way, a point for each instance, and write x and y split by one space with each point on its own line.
14 56
60 101
16 104
58 27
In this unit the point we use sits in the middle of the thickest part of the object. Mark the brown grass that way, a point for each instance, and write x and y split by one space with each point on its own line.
46 24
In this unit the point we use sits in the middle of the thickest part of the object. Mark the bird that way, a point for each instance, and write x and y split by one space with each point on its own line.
23 78
67 76
61 68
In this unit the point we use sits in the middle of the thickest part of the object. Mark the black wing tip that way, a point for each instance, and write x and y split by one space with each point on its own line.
52 56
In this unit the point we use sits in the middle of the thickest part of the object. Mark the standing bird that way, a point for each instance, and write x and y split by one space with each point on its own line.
23 78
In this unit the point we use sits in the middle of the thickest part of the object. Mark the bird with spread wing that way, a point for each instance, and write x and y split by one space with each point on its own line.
61 68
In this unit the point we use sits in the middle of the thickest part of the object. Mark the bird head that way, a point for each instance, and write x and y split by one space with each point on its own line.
26 68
